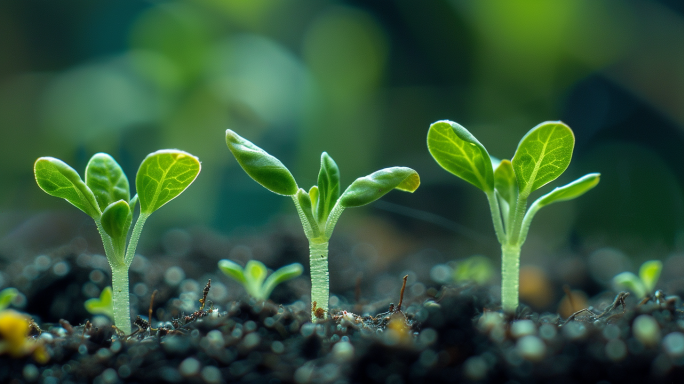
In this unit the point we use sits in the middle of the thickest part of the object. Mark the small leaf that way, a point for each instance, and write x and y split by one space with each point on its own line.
367 189
232 270
107 180
505 183
255 274
281 275
459 152
305 211
102 305
162 176
570 191
133 202
478 269
116 219
7 295
58 179
650 273
260 166
328 187
630 282
314 195
543 154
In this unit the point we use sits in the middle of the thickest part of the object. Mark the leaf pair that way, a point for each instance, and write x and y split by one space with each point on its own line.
102 305
316 207
105 194
253 276
645 283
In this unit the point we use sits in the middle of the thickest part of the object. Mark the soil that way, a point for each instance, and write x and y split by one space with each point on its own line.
448 333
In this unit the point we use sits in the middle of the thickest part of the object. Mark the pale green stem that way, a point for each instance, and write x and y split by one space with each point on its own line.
120 300
510 277
320 280
496 216
308 227
527 220
332 219
112 257
135 236
514 234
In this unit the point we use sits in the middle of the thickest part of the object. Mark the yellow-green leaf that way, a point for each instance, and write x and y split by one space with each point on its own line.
162 176
367 189
58 179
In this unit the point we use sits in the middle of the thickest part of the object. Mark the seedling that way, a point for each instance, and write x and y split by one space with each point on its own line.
543 154
105 196
102 305
321 207
643 285
477 269
6 297
253 275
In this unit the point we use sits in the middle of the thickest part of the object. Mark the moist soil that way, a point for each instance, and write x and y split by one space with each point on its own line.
444 334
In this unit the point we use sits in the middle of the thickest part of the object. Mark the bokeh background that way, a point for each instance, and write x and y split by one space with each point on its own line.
362 80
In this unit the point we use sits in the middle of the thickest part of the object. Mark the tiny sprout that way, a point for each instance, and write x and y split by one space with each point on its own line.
253 276
320 207
477 268
542 155
644 284
105 196
6 297
101 305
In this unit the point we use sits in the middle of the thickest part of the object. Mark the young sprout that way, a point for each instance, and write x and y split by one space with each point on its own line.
6 297
102 305
105 196
253 275
543 154
644 284
320 207
477 269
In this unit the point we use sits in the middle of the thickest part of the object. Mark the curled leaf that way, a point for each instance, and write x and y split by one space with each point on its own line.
367 189
570 191
328 187
261 166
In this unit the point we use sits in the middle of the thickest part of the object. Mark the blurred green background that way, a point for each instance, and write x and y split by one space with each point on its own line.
362 81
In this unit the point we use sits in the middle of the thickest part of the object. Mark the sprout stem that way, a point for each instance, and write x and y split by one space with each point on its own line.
320 279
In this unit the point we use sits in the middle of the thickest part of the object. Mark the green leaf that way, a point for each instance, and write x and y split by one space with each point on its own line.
282 274
505 182
314 195
367 189
133 202
478 269
305 211
260 166
101 305
116 220
650 273
7 295
328 187
162 176
107 180
630 282
459 152
232 270
58 179
255 274
570 191
543 154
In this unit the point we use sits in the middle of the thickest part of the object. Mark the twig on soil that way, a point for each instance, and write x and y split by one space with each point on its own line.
619 301
401 296
203 300
149 312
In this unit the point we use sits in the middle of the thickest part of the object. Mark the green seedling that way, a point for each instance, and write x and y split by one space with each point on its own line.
253 276
477 269
6 297
105 196
320 207
102 305
542 155
642 285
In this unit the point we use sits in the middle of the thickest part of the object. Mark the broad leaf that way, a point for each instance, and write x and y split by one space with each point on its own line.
58 179
282 274
505 183
107 180
459 152
305 211
570 191
162 176
116 220
232 270
630 282
367 189
102 305
328 187
255 274
260 166
650 273
543 154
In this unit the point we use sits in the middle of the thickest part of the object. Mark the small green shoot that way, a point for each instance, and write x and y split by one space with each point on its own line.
253 276
320 207
6 297
477 268
642 285
105 196
101 305
542 155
